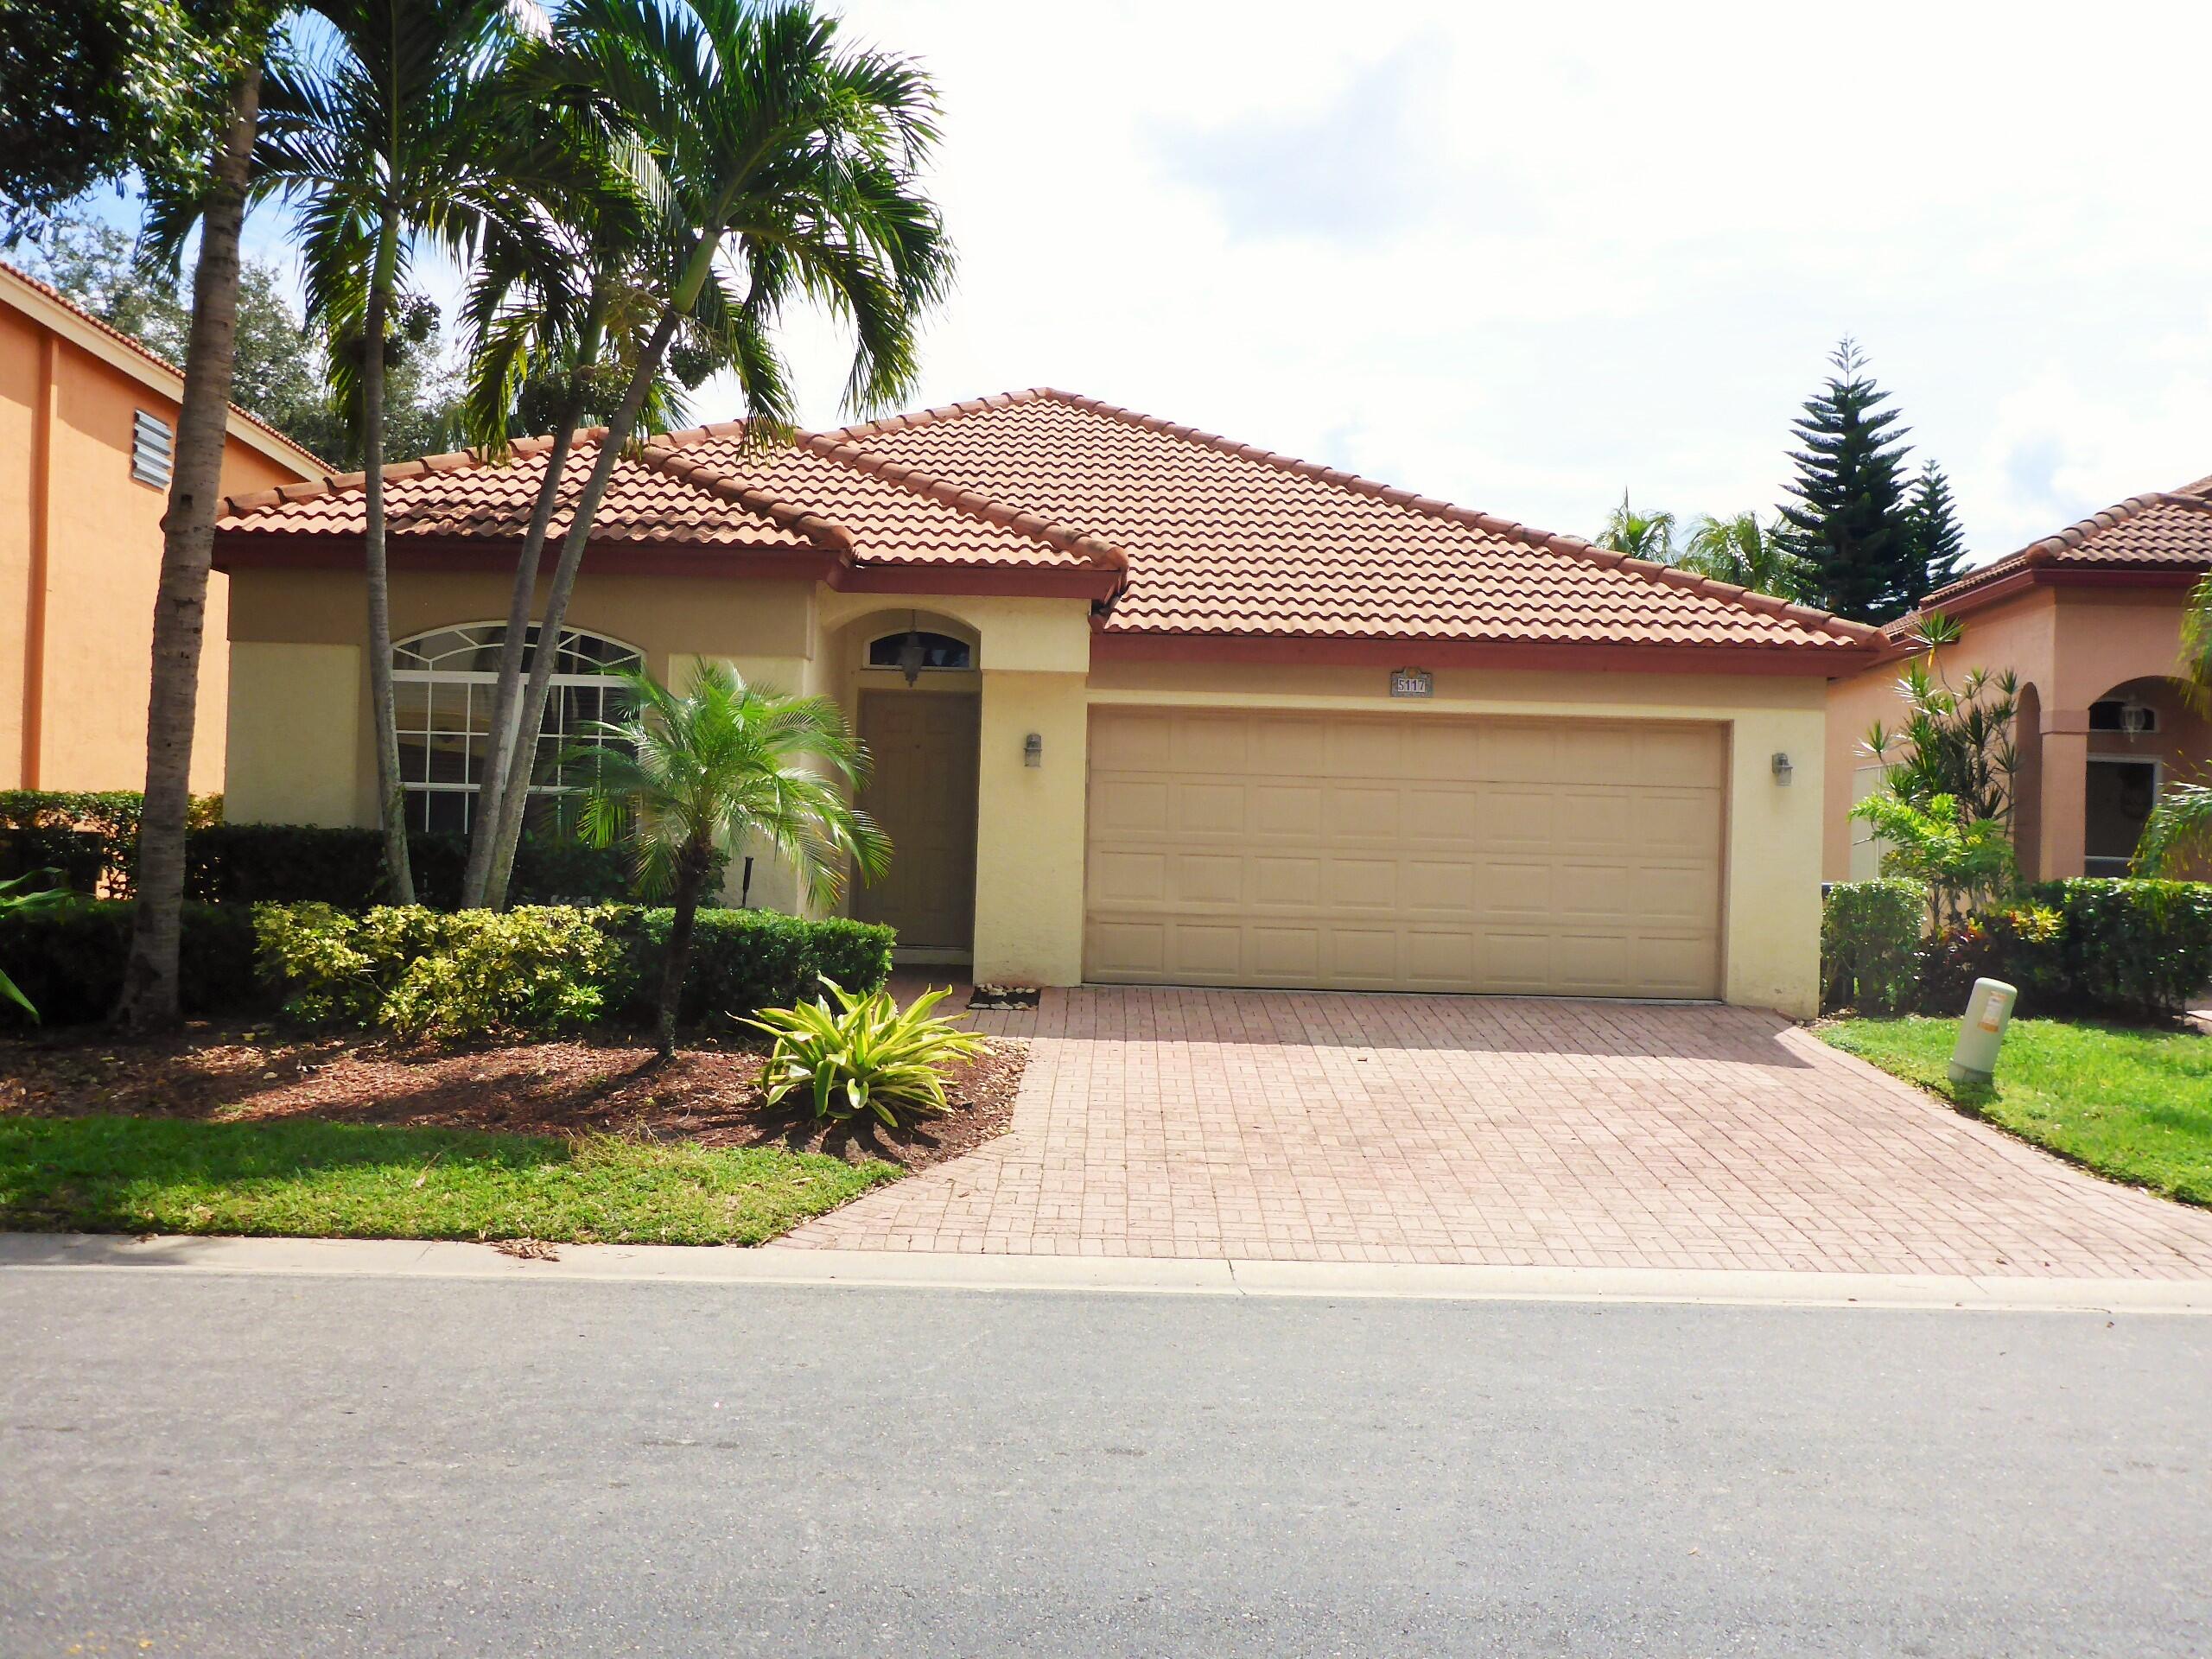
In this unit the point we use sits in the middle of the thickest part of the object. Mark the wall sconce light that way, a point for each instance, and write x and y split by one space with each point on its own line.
1032 750
1782 769
910 650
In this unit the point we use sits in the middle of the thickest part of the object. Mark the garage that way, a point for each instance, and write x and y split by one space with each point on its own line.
1383 852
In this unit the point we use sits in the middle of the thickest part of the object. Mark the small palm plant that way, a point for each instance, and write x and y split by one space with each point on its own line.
690 779
1639 535
866 1055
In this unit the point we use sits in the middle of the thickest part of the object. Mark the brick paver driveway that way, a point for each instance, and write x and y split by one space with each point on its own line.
1326 1127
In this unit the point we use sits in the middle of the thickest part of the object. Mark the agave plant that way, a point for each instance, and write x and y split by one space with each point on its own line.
865 1055
17 900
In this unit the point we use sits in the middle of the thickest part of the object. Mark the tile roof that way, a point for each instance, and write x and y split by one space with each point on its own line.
309 461
1202 536
2163 529
1227 539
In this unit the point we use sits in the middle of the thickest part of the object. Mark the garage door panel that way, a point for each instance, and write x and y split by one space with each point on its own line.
1509 815
1426 853
1209 879
1285 881
1128 878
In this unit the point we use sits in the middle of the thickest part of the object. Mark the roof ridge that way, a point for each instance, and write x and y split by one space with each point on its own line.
1093 551
48 291
452 460
1492 524
665 454
899 423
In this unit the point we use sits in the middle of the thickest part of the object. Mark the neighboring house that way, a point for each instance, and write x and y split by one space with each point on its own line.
1145 705
2089 621
88 417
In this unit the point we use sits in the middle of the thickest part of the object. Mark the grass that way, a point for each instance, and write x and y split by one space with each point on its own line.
2135 1105
309 1180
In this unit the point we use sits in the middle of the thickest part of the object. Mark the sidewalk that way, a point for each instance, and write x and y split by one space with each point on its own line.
774 1265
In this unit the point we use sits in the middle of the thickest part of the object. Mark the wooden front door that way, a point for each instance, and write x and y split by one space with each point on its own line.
923 794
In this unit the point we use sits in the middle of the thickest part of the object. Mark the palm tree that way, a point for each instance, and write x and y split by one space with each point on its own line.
1739 550
559 315
690 780
2179 830
386 133
789 159
1639 535
150 976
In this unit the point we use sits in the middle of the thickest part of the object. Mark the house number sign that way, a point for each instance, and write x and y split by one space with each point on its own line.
1412 683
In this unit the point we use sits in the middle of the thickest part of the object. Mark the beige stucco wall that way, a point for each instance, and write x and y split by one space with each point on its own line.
2069 647
1035 674
1770 925
102 564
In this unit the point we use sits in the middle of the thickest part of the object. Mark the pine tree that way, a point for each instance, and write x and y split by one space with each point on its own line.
1849 522
1939 545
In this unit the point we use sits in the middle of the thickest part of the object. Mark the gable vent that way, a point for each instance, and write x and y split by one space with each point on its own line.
150 446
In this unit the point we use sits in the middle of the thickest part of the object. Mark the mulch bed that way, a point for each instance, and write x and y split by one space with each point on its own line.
709 1093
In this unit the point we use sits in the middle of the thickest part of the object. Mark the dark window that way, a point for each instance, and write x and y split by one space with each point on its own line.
938 650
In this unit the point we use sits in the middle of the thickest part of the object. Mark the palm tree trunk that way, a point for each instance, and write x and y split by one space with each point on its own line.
392 799
506 691
149 980
691 877
505 744
515 795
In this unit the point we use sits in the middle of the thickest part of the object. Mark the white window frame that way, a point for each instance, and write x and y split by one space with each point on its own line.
476 681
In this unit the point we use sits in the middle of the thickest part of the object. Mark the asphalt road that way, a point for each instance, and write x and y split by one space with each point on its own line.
198 1465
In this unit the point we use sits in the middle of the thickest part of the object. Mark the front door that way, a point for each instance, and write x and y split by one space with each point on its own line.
923 794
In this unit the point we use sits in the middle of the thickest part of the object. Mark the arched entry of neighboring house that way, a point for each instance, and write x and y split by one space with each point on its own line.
2142 734
914 684
2027 783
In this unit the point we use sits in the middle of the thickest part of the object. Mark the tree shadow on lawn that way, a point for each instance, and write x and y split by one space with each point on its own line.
96 1174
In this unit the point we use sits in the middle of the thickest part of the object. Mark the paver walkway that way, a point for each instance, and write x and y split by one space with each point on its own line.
1316 1126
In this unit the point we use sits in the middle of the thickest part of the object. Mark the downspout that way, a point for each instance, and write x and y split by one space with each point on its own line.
42 519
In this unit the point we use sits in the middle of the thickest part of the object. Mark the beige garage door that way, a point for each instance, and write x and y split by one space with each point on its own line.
1562 857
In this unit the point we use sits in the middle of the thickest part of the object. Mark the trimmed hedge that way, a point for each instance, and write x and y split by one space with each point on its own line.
69 960
2097 945
743 960
1870 944
2138 947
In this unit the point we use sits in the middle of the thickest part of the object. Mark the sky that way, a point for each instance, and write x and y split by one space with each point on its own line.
1526 258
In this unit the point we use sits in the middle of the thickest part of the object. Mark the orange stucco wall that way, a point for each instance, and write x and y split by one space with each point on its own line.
64 451
2070 647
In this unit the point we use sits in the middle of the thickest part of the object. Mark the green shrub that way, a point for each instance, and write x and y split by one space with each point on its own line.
283 863
1870 944
69 960
864 1055
742 960
2132 946
2021 944
90 835
422 973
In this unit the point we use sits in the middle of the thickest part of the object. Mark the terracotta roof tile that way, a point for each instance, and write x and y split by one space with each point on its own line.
1226 538
1205 537
2169 529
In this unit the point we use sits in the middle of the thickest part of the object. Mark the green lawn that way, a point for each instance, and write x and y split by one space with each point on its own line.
308 1179
2136 1105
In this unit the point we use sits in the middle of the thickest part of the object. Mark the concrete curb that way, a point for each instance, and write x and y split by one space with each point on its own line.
1210 1276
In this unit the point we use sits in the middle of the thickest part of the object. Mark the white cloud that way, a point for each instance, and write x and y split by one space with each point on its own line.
1522 258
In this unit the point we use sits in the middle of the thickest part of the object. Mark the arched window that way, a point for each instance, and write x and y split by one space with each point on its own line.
926 651
442 682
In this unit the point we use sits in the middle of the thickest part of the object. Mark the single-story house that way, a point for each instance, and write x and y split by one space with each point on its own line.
2089 621
88 418
1145 705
